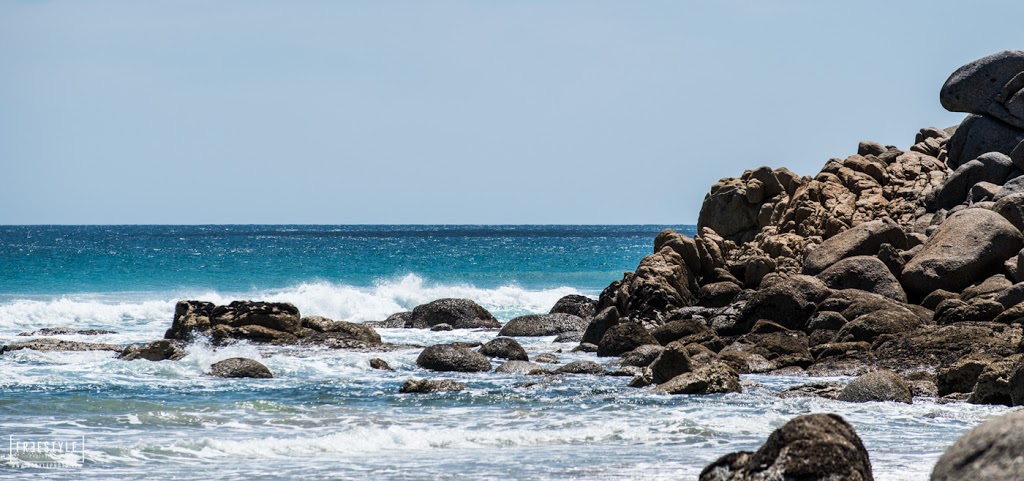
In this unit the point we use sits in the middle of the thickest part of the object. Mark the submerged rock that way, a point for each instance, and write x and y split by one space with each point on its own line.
813 447
424 386
239 367
877 386
581 367
59 345
445 357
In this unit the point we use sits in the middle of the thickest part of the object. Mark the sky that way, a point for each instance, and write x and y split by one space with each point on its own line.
454 112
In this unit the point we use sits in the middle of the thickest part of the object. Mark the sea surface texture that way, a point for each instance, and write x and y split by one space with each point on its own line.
327 415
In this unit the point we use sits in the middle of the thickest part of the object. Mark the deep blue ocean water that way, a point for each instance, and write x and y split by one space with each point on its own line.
327 415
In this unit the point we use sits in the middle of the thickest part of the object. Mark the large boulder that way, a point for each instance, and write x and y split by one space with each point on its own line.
533 325
812 447
988 86
872 325
504 348
673 361
600 324
862 240
624 337
446 357
240 367
458 313
866 273
992 167
992 451
978 135
789 301
968 247
576 305
711 378
877 386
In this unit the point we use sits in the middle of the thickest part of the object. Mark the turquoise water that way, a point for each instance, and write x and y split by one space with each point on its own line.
327 415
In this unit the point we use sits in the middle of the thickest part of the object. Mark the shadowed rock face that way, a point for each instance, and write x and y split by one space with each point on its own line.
990 452
991 85
814 447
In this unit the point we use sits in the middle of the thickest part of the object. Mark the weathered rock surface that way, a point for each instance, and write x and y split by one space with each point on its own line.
517 367
535 325
237 367
877 386
988 86
504 348
813 447
458 313
162 350
581 367
712 378
624 337
425 386
576 305
59 345
993 451
661 283
862 240
866 273
446 357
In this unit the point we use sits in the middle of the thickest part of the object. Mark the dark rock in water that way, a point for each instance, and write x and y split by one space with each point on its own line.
161 350
445 357
458 313
441 327
624 337
642 356
991 167
59 345
813 447
66 331
877 386
378 363
979 135
236 367
969 246
661 284
827 390
341 329
505 348
549 358
517 367
190 318
603 321
581 367
279 316
426 386
713 378
789 302
870 326
866 273
989 452
988 86
397 320
863 240
673 361
543 325
576 305
574 336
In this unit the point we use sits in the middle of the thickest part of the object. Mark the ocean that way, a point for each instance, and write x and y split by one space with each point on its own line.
326 414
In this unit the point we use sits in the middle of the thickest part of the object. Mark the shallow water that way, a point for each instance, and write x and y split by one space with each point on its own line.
327 415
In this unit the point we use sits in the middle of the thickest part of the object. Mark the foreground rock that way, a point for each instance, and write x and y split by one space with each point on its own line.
267 323
240 367
446 357
59 345
162 350
877 386
458 313
993 451
424 386
814 447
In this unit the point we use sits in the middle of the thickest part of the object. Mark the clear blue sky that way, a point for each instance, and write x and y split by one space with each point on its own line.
453 112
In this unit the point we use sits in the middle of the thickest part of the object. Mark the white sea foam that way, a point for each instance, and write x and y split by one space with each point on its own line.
121 311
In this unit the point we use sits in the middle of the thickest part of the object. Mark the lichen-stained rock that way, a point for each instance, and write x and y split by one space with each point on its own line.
812 447
863 240
967 248
871 326
424 386
660 284
992 85
990 452
445 357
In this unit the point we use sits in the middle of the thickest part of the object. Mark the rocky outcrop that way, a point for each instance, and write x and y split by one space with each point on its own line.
992 452
162 350
59 345
446 357
426 386
661 283
813 447
863 240
458 313
712 378
239 367
535 325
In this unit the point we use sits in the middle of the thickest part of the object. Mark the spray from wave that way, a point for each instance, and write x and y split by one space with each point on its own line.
336 301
